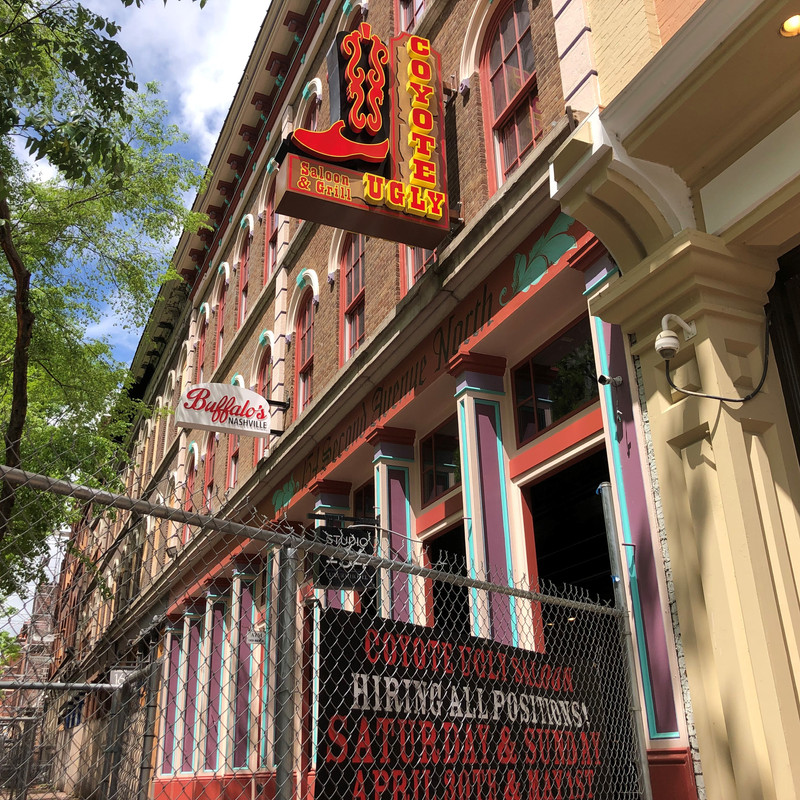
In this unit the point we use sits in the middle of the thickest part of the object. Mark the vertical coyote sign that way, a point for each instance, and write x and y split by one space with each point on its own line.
380 167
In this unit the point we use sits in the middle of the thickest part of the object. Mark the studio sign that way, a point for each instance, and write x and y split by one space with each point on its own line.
224 408
379 168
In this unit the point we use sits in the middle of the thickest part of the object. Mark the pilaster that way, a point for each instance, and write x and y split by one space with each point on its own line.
729 481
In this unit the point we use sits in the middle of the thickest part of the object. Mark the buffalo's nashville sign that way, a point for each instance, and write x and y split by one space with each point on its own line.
224 408
380 167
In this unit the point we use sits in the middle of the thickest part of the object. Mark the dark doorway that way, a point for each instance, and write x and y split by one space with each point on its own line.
448 553
784 307
569 528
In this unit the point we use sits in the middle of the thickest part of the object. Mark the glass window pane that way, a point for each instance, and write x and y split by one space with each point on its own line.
524 128
495 55
523 385
508 33
513 75
526 421
526 53
509 135
498 94
523 16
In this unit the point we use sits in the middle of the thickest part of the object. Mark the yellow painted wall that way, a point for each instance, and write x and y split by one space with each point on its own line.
625 37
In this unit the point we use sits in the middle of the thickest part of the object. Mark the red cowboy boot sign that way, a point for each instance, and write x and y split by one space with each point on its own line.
379 168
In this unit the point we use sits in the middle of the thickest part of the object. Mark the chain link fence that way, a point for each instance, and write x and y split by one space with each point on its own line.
152 649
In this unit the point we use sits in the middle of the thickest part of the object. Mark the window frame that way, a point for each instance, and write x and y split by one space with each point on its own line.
201 349
304 366
219 344
208 471
244 279
353 303
408 23
410 275
527 361
494 124
264 388
270 236
431 436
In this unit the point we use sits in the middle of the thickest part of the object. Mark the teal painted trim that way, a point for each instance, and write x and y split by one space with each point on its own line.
251 582
461 392
177 742
262 338
321 16
302 57
597 284
220 269
243 221
301 277
307 91
235 376
391 460
378 552
218 700
268 589
347 7
619 485
512 601
462 427
409 554
196 722
315 682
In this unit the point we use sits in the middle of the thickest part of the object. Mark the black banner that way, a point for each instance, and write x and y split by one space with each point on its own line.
405 714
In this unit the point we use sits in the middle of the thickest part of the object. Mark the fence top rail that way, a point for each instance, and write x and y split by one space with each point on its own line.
281 534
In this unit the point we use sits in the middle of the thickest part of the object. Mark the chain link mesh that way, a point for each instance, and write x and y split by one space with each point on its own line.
152 649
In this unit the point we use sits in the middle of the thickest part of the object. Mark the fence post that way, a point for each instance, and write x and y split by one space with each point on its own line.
621 602
145 768
284 695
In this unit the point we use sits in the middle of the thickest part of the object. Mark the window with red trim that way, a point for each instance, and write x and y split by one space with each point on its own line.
418 260
311 117
208 475
220 345
201 349
244 279
555 381
233 460
353 296
305 352
411 12
441 461
188 498
264 388
271 253
508 76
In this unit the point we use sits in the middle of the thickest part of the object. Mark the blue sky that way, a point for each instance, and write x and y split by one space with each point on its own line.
197 56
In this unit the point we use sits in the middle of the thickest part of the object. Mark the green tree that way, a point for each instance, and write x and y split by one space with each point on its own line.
98 231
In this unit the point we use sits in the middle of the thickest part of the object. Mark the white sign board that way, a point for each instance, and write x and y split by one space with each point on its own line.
225 408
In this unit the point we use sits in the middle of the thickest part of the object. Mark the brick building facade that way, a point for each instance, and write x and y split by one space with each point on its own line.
405 390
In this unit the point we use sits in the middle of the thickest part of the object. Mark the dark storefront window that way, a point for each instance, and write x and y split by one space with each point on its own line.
441 461
557 380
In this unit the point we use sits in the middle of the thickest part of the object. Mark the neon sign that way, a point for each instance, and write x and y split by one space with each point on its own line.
380 167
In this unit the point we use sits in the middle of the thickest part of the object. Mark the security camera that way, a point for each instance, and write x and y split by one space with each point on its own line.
607 380
667 344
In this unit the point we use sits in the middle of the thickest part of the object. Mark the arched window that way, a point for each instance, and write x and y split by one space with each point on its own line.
411 12
271 251
220 345
201 347
508 78
264 388
188 497
353 295
304 356
233 460
244 279
417 261
208 475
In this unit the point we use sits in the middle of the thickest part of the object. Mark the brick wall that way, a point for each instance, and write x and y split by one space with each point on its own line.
625 37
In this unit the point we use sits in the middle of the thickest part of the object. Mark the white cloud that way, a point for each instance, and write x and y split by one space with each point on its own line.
197 55
111 328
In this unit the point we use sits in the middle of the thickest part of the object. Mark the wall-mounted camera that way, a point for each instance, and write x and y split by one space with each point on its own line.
607 380
667 342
